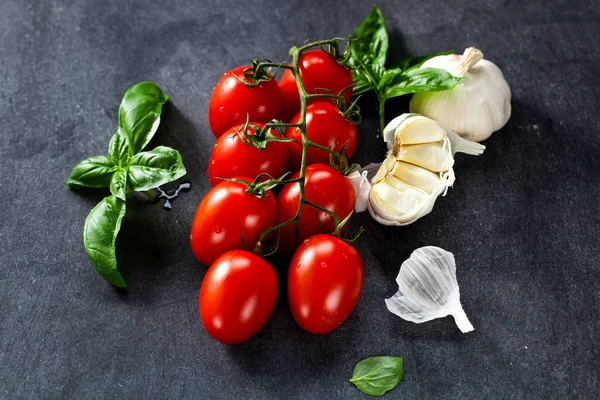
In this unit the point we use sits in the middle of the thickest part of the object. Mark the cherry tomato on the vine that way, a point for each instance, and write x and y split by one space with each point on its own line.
224 210
237 296
231 157
325 125
324 187
232 102
324 283
320 73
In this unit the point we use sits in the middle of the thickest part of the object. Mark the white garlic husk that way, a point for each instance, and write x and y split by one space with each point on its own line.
427 289
417 169
360 179
474 108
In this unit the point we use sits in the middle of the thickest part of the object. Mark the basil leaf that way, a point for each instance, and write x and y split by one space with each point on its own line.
139 114
118 148
376 375
368 51
417 61
361 82
92 172
367 76
370 38
99 235
151 169
396 82
118 183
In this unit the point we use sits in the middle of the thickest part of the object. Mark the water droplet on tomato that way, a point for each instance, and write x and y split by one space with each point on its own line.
323 264
218 229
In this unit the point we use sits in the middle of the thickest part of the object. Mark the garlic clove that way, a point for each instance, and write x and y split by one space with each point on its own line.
418 129
427 289
416 176
435 157
474 109
396 199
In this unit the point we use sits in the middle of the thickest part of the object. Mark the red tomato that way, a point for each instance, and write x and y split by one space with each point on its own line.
326 126
231 157
237 296
324 187
319 72
232 102
324 283
217 225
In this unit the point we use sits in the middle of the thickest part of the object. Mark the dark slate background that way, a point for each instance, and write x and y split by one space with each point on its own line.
522 220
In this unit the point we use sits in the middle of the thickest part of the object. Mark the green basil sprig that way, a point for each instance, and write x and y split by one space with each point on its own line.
368 52
126 169
376 375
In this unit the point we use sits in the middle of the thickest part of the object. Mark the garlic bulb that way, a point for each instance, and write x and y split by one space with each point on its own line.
417 169
427 289
475 108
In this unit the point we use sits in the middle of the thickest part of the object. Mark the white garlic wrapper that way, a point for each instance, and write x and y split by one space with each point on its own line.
427 289
417 169
476 107
360 180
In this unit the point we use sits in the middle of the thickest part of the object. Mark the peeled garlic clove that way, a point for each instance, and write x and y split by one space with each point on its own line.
475 108
435 157
421 130
427 289
396 199
416 176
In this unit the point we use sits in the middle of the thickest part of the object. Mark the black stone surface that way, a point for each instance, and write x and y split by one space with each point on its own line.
522 220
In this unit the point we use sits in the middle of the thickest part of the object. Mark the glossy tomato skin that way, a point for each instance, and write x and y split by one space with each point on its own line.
217 225
326 126
231 157
237 296
324 283
232 102
319 72
324 187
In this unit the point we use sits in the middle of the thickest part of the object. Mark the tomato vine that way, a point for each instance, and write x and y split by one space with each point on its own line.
260 72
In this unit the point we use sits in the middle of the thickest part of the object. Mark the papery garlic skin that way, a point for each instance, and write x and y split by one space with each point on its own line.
475 108
427 289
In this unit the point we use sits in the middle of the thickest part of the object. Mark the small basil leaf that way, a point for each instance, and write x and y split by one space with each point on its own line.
118 183
370 38
151 169
118 148
376 375
361 81
396 82
92 172
99 234
417 61
139 114
367 76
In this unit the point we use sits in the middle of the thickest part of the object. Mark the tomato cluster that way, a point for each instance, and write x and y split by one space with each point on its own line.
241 216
